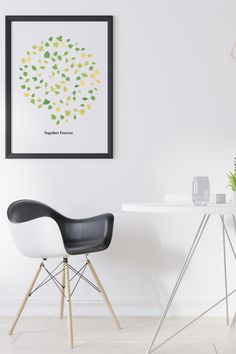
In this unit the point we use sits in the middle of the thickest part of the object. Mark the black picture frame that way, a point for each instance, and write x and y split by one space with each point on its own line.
8 88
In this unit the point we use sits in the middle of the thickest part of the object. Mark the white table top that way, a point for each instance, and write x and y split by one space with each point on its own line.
180 208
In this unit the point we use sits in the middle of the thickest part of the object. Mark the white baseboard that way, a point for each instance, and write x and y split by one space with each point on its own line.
132 308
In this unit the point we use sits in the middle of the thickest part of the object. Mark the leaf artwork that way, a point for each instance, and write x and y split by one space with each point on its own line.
59 76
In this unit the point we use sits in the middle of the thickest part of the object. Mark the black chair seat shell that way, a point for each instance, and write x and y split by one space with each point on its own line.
80 236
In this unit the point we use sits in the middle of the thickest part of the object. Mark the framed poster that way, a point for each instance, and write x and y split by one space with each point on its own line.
59 88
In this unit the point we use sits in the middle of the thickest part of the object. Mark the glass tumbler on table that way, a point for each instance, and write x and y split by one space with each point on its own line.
201 190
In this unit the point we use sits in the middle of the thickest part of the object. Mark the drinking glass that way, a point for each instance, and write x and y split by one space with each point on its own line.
201 190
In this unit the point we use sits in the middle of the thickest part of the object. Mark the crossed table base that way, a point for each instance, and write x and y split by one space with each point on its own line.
219 210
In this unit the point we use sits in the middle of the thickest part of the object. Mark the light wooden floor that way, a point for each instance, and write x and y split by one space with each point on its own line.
98 336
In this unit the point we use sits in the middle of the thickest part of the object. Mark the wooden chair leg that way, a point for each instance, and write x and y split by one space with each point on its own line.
21 308
63 292
69 311
103 293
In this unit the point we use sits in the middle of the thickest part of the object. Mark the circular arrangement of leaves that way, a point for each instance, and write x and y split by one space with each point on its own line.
60 76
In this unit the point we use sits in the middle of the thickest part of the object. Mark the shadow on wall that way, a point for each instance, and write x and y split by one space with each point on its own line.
143 258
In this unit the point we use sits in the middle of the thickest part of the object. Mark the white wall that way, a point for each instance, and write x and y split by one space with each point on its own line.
174 117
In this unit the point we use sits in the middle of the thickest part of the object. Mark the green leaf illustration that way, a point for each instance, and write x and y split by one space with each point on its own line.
57 73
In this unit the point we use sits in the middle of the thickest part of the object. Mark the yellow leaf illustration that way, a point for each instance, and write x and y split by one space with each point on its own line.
60 77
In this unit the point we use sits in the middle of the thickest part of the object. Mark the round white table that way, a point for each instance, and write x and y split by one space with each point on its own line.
181 208
207 211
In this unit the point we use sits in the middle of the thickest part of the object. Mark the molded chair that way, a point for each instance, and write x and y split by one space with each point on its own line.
41 232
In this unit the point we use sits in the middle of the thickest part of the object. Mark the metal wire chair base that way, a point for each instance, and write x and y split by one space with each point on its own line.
52 276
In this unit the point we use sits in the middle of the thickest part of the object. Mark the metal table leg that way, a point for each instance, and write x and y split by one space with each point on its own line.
225 274
182 273
180 278
234 318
